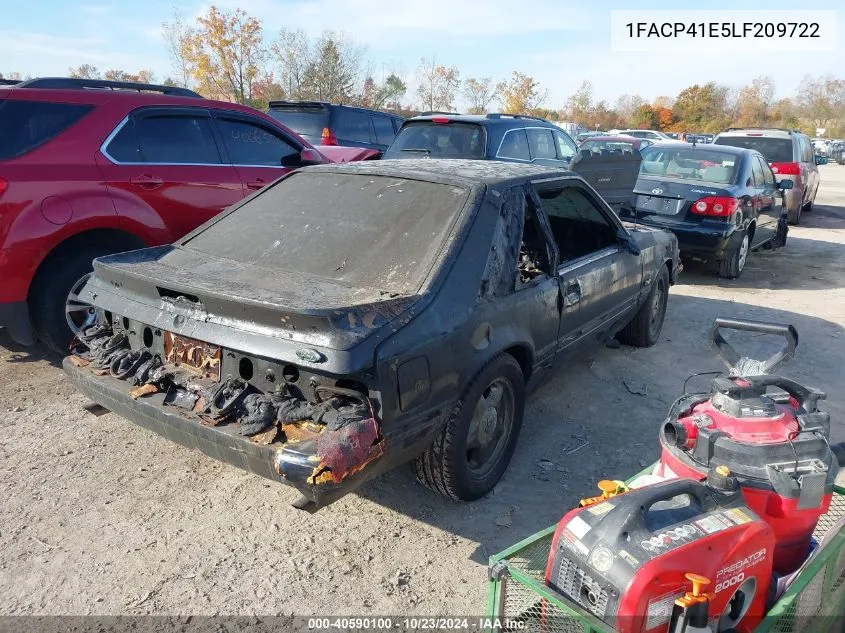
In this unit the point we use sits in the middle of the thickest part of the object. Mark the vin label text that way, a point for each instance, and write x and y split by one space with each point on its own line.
722 30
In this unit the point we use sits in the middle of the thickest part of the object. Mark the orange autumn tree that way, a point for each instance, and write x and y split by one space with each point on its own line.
664 117
225 52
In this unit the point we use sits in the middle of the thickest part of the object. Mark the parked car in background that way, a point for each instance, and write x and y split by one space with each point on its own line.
354 317
837 152
673 135
507 137
649 134
613 143
90 167
721 202
790 156
583 136
322 123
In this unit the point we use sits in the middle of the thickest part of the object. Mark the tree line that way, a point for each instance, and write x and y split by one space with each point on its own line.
225 54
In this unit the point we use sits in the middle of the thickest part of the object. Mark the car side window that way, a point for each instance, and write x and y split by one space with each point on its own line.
808 150
352 125
541 143
768 175
757 172
566 147
251 144
172 139
577 224
514 145
384 129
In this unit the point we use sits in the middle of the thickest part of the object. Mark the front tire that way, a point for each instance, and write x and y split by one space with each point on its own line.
644 329
469 457
57 313
733 264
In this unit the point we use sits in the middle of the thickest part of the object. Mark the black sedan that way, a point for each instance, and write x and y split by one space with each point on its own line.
348 319
721 202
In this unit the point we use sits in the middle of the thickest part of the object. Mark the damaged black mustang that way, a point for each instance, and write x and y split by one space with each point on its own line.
349 318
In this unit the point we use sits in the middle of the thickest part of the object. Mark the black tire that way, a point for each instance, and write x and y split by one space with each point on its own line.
644 329
794 217
809 206
49 293
445 466
733 264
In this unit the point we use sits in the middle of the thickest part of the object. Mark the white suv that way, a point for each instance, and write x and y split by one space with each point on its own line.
649 134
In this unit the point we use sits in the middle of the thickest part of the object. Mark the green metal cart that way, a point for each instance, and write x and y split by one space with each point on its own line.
519 600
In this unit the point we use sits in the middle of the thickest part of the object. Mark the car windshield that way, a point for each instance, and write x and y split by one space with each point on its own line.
706 165
363 230
419 139
307 122
775 150
597 146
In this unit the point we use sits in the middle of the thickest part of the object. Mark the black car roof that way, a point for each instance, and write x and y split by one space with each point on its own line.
450 170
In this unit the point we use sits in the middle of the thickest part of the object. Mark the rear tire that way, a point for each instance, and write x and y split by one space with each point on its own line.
446 466
49 294
794 217
644 329
733 264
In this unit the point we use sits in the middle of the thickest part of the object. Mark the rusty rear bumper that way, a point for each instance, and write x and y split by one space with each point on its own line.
276 461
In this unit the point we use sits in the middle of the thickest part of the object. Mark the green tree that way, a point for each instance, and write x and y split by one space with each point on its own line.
579 105
644 117
438 85
479 93
522 94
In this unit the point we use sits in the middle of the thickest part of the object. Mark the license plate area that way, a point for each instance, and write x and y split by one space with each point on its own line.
663 206
198 356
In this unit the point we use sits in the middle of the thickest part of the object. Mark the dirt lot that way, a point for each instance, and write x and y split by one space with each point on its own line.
102 517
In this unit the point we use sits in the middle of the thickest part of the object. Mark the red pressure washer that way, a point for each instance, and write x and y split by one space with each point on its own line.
745 473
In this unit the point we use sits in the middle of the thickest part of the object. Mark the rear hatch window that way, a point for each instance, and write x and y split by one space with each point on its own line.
439 140
362 230
696 164
24 125
776 150
306 120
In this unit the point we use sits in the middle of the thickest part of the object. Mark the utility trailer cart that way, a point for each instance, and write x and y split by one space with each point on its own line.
519 600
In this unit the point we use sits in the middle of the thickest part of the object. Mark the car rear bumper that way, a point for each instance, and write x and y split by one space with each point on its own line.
706 242
285 463
14 316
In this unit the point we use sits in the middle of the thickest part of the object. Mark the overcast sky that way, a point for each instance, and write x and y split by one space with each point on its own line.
559 43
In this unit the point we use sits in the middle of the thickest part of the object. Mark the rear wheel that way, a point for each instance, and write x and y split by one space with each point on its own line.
58 313
733 264
467 460
644 329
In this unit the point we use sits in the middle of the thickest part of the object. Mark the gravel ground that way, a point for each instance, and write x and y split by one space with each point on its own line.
102 517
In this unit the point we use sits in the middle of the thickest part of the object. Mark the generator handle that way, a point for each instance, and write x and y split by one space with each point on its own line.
661 492
733 359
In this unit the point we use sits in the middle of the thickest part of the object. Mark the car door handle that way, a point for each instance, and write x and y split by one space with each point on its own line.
255 184
572 293
147 180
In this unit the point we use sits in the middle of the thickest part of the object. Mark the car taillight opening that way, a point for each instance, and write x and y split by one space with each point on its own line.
786 169
328 137
715 206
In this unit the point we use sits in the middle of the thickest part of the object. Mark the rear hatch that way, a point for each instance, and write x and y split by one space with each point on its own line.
306 119
778 151
321 257
439 137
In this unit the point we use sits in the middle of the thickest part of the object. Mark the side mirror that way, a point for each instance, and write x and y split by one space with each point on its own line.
310 156
785 184
821 160
628 242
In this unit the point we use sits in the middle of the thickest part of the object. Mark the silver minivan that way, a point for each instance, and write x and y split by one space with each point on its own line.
790 154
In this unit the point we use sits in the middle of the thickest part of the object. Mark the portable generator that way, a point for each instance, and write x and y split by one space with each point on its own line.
768 431
627 558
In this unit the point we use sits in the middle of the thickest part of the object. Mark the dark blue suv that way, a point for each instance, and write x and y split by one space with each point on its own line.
508 137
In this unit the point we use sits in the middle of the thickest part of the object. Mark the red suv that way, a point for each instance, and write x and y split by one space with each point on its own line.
91 167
